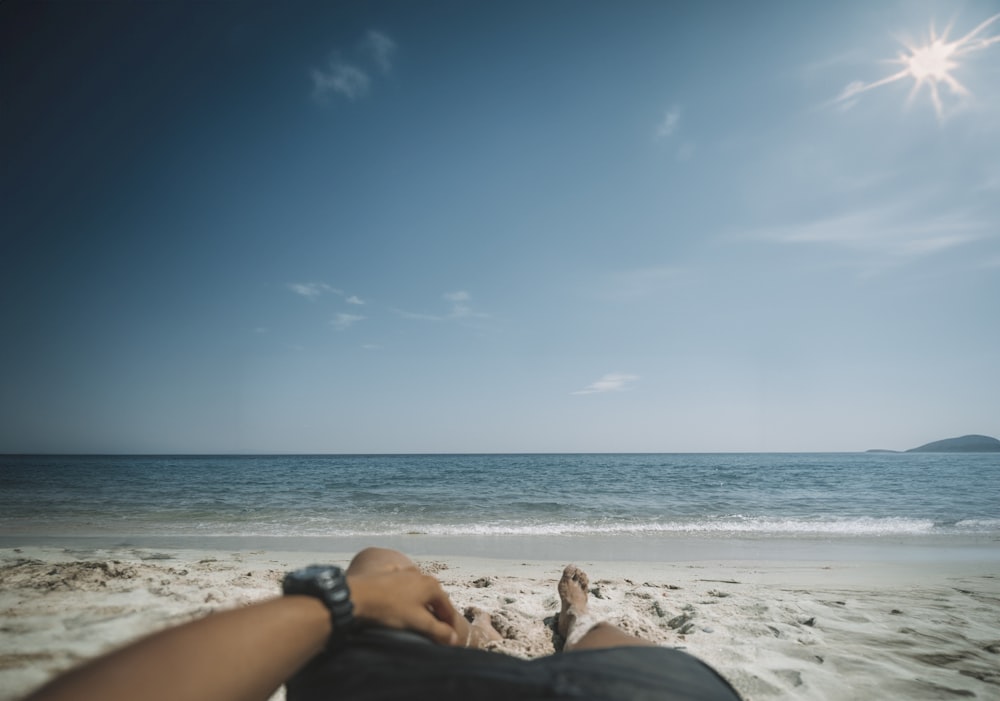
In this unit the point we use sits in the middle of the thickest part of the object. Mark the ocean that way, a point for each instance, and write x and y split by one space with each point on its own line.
500 504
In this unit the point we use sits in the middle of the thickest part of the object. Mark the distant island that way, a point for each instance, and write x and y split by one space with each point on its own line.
963 444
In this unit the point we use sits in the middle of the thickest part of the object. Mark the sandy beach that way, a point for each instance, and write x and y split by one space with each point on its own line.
791 629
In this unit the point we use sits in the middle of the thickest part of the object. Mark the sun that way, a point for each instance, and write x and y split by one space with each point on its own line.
930 64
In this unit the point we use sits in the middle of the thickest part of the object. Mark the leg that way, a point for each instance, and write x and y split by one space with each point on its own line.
378 560
476 633
577 627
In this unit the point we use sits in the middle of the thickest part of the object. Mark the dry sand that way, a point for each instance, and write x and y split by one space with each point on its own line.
774 629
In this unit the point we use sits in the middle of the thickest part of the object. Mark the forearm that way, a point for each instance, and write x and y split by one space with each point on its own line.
239 655
245 654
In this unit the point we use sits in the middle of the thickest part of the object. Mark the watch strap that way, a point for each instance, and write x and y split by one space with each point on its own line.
328 583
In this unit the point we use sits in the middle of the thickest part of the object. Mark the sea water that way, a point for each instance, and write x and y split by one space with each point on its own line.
597 496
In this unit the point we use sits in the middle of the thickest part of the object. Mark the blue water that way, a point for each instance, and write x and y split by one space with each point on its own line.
840 496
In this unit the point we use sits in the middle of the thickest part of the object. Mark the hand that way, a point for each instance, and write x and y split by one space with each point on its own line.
405 599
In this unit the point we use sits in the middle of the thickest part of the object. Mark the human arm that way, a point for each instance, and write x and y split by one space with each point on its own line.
247 653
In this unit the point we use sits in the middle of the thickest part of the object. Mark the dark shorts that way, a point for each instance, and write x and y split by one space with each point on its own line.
388 665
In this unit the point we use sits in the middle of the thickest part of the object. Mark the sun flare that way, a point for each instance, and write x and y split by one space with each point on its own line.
930 64
933 61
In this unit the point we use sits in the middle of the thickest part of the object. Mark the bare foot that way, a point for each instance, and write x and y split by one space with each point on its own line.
481 630
573 593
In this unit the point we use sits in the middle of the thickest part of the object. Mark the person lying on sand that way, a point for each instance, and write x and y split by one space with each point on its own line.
382 630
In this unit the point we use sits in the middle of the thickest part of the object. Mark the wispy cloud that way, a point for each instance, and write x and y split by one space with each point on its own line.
381 48
612 382
344 321
339 78
419 316
850 57
315 290
461 308
668 125
312 290
668 128
460 305
637 283
894 230
349 79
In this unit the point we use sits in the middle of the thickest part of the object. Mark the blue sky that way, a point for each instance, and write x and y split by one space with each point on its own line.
505 227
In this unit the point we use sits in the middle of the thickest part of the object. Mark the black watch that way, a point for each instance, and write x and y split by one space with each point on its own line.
327 583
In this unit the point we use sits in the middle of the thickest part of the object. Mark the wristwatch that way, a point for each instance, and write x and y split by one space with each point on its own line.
327 583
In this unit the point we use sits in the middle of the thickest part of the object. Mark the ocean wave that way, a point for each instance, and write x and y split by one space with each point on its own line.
749 526
978 525
732 525
726 526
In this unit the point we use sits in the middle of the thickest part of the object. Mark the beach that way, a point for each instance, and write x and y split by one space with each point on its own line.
797 576
915 628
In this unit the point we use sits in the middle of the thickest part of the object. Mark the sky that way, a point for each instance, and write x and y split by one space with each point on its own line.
395 227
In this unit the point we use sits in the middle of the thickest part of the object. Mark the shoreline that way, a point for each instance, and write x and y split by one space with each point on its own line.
810 629
649 548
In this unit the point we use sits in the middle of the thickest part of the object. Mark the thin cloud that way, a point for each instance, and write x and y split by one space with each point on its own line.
819 70
852 57
668 125
848 98
638 283
341 79
418 316
344 321
312 290
612 382
381 48
894 231
460 309
348 79
354 299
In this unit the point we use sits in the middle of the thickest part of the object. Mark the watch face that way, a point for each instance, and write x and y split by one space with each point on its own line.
313 572
312 578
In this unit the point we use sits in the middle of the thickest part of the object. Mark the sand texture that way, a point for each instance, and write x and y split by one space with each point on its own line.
775 630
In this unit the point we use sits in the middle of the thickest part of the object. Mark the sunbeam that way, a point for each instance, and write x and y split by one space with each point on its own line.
931 64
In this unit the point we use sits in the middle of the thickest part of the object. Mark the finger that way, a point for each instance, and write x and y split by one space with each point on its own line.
444 611
438 631
440 605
